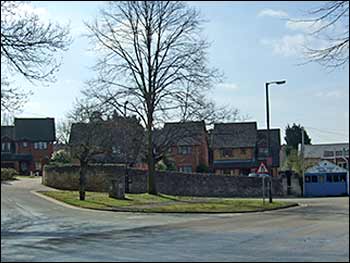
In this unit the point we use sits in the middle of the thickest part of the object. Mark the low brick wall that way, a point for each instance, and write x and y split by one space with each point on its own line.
172 183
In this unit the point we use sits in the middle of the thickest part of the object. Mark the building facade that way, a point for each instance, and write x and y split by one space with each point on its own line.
337 153
240 148
186 145
27 145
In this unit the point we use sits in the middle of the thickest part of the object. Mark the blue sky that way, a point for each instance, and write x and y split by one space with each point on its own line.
252 42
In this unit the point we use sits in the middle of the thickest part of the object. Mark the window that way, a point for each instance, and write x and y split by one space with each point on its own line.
321 179
329 179
314 179
336 178
184 150
262 150
40 145
339 153
307 179
185 169
25 144
328 153
342 178
243 151
226 153
6 147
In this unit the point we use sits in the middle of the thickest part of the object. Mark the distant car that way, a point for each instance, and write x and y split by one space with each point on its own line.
264 175
258 175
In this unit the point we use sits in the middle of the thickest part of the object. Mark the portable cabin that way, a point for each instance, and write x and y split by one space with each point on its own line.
325 179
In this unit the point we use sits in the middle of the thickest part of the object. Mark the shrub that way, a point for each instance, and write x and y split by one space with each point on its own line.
60 157
8 174
202 168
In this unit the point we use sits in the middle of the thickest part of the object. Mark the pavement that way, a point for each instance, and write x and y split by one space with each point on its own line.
36 229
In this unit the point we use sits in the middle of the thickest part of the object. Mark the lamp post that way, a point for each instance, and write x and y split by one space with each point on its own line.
126 158
268 130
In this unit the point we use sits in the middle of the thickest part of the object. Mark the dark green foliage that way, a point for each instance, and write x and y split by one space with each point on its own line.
293 137
202 168
8 174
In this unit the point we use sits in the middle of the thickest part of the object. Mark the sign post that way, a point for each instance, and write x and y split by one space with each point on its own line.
262 170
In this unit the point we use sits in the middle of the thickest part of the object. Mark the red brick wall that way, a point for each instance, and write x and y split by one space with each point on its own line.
199 155
39 155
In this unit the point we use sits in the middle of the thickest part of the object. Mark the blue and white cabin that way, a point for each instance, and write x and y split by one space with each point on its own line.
325 179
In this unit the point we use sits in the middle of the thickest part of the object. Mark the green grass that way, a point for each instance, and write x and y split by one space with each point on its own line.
165 203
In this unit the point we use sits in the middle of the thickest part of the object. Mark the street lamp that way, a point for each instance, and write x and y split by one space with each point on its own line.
280 82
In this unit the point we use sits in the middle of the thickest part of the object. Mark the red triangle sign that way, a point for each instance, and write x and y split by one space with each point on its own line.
262 169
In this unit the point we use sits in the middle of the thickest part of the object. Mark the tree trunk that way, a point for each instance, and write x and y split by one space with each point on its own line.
151 186
82 180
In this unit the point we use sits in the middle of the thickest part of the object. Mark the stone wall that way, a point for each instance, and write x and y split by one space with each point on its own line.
172 183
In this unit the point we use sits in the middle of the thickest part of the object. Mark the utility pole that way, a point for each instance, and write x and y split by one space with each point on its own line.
302 159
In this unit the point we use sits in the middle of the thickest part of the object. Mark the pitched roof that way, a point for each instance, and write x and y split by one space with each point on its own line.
121 136
35 129
234 135
325 167
8 131
181 133
275 144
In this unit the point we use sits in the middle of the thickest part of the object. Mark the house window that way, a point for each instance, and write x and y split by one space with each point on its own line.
329 179
6 147
25 144
185 169
328 154
226 153
263 150
314 179
40 145
336 178
307 179
184 150
339 153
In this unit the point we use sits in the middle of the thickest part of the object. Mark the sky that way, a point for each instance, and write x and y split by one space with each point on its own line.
251 43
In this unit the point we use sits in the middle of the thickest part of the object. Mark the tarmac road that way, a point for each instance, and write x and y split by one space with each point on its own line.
34 229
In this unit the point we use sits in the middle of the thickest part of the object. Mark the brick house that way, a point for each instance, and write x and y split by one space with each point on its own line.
186 144
239 148
117 140
27 145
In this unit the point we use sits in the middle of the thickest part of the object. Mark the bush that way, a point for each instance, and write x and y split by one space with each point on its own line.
60 157
202 168
8 174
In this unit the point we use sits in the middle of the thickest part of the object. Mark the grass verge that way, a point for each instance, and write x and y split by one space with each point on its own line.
165 203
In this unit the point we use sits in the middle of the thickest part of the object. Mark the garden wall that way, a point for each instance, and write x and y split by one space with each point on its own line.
173 183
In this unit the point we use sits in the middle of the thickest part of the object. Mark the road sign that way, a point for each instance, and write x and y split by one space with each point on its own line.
262 169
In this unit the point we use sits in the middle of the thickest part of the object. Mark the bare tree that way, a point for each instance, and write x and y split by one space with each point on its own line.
332 20
96 137
89 136
28 47
152 55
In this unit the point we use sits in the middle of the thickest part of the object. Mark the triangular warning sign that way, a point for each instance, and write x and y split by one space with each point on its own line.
262 169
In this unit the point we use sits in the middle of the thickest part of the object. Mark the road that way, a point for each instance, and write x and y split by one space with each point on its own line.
34 229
